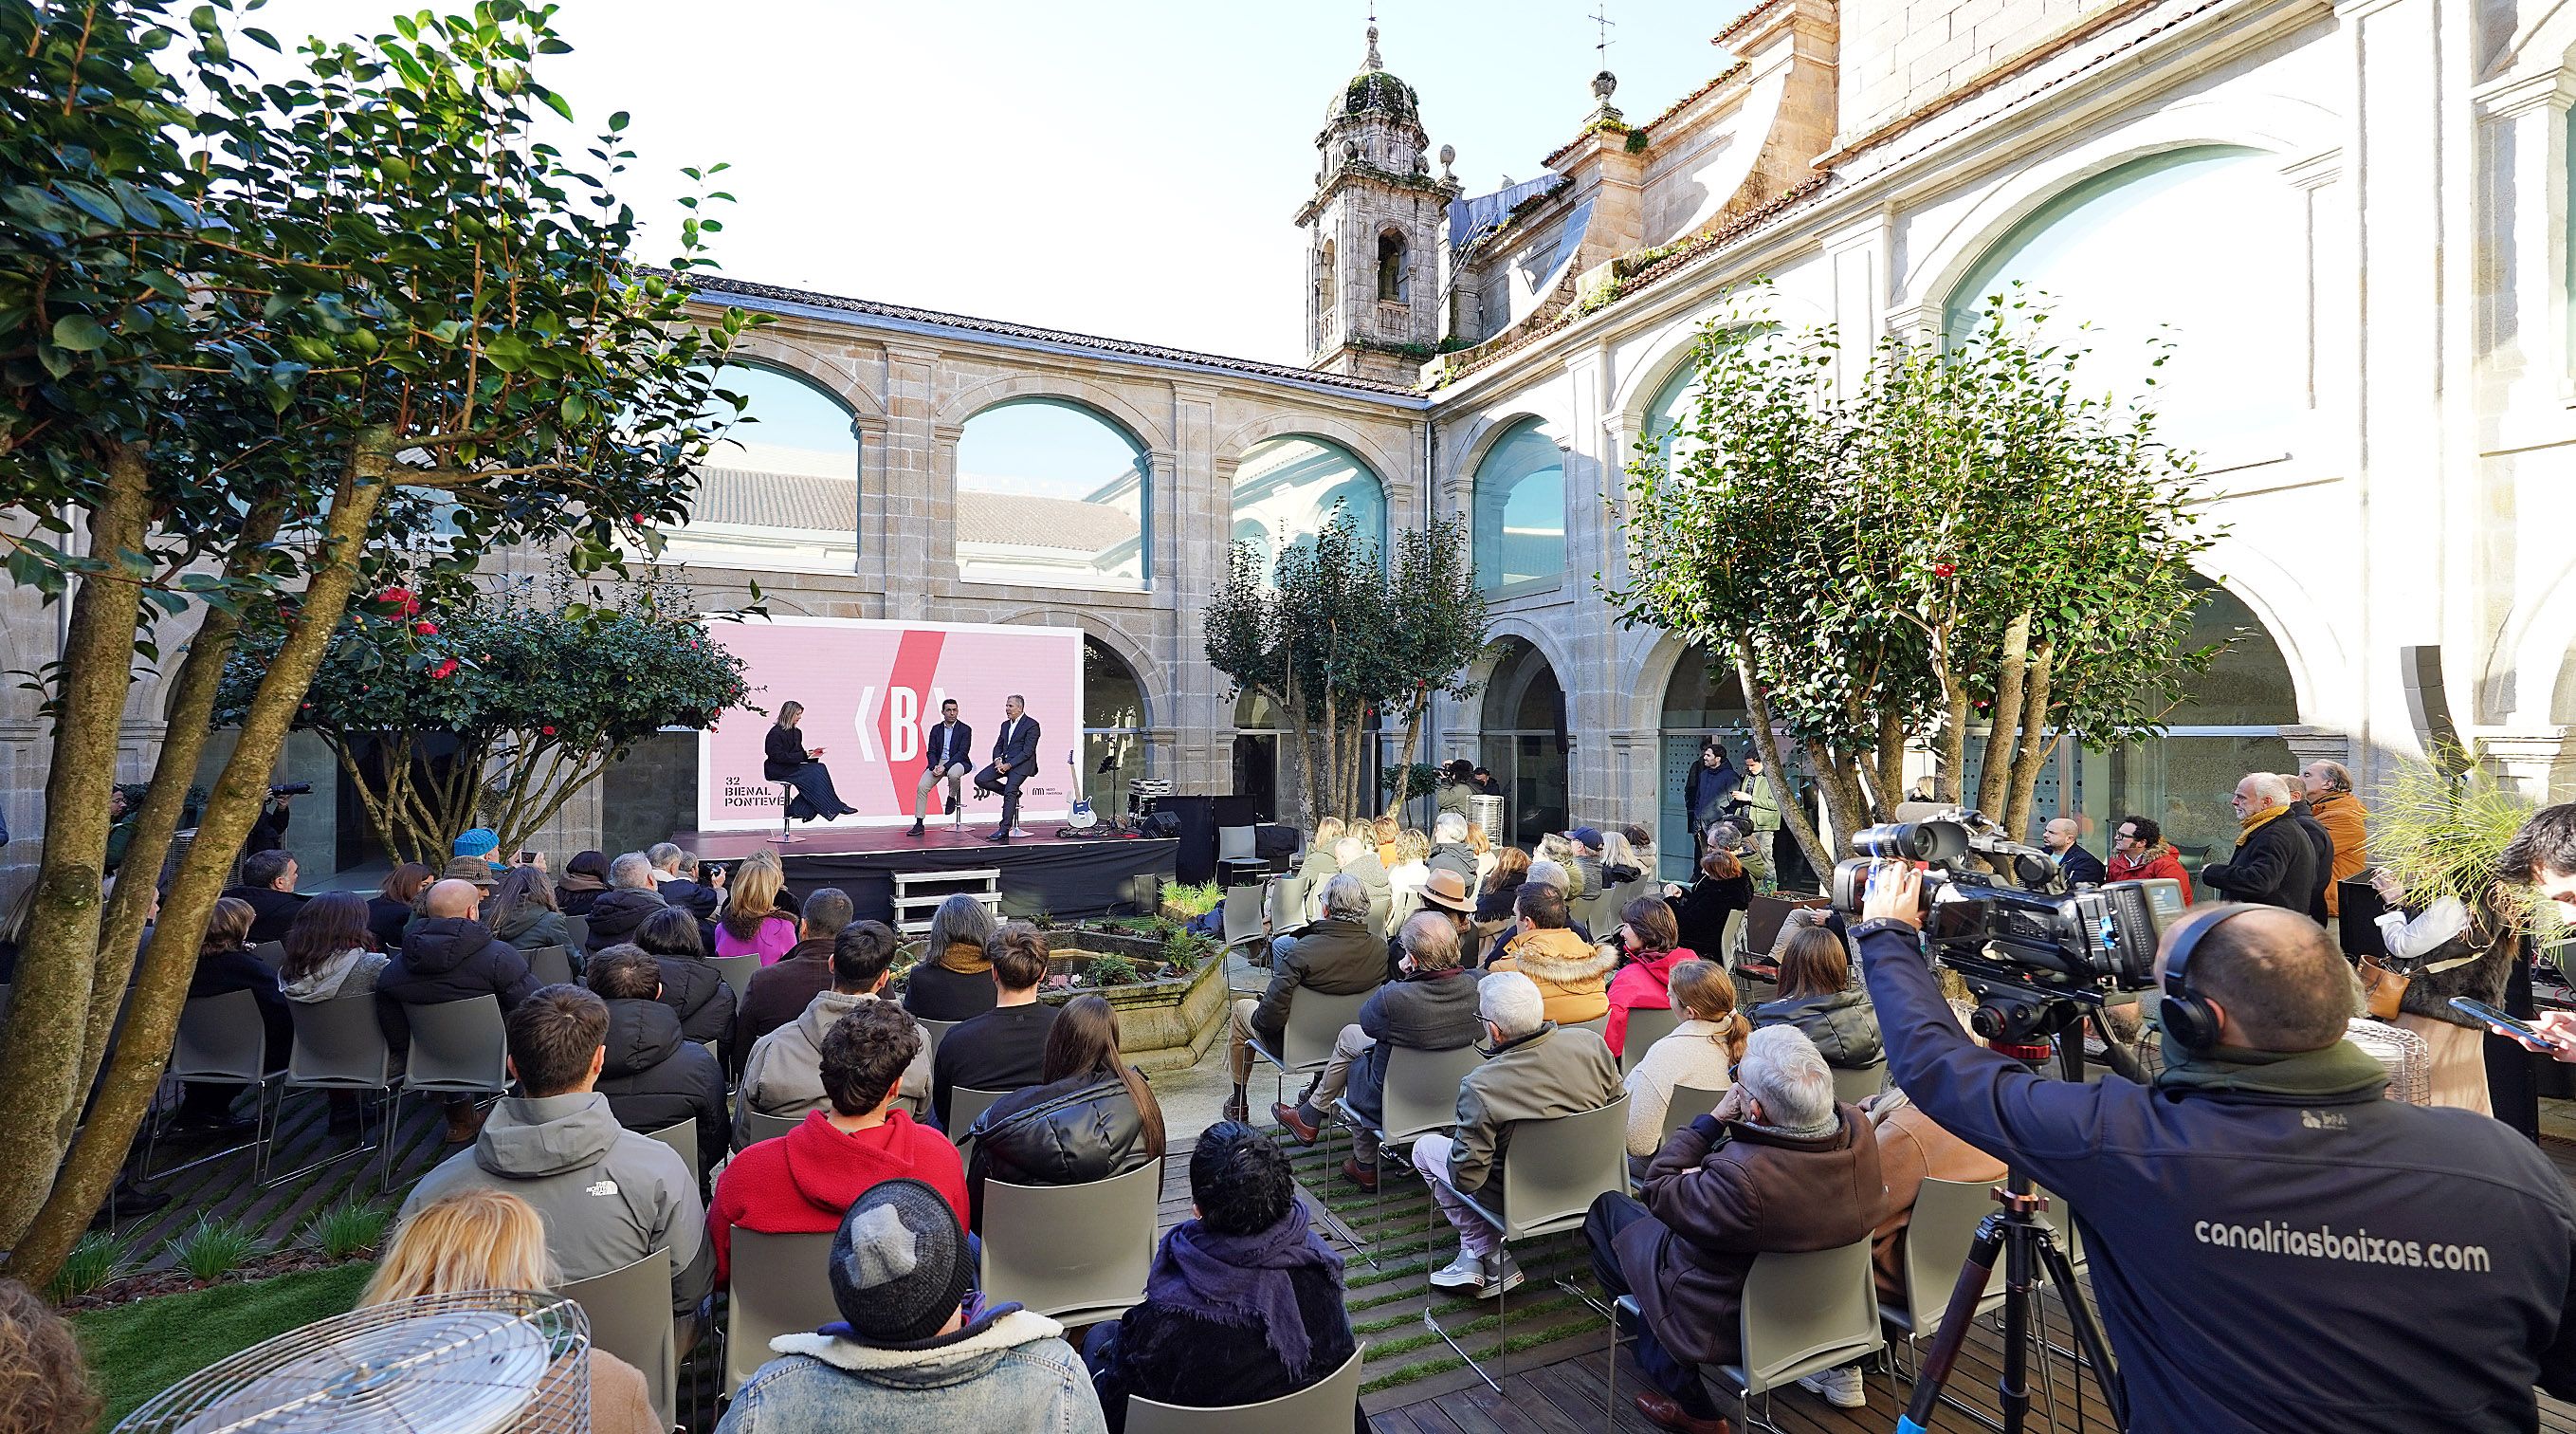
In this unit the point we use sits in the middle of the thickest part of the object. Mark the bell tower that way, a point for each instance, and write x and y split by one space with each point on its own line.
1373 231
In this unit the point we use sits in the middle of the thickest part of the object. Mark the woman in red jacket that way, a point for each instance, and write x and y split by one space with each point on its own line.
2139 853
1650 942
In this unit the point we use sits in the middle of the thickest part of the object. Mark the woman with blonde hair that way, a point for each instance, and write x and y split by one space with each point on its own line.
1700 1052
754 923
493 1240
1319 864
1486 857
1383 831
1407 874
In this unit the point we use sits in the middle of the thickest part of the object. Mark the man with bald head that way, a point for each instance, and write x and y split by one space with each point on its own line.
2082 868
2273 864
2271 1239
450 955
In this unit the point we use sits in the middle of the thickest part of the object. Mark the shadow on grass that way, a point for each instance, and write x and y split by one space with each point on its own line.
135 1351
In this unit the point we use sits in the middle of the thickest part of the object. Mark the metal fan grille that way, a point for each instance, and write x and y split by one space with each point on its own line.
473 1362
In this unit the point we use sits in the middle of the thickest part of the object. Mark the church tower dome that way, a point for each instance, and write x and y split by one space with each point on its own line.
1374 227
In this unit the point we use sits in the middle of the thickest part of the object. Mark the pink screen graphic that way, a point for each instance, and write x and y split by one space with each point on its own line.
871 690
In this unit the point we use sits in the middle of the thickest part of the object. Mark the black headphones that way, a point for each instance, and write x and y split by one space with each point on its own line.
2187 1015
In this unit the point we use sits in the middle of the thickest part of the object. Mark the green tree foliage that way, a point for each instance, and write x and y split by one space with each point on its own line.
256 338
527 697
1970 539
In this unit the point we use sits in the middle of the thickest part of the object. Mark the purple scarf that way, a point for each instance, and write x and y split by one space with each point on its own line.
1243 1280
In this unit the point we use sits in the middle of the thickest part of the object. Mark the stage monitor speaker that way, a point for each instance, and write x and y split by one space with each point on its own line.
2357 908
1196 860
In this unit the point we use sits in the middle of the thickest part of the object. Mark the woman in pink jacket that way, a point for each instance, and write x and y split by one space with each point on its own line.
1649 940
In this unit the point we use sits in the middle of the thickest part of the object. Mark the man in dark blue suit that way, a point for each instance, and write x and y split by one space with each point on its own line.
1015 756
947 750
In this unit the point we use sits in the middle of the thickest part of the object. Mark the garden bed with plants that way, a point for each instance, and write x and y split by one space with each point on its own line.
102 1272
1167 984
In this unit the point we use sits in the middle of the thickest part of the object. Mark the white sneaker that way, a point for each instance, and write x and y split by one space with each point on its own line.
1840 1387
1505 1275
1461 1274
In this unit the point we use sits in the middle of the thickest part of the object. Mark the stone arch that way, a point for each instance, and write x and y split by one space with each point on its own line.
1469 444
1151 681
2549 35
772 350
2309 645
1647 677
1536 634
1363 444
1109 404
1651 359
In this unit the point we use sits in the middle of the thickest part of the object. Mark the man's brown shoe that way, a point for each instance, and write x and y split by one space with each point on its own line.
1286 1115
1363 1176
1664 1410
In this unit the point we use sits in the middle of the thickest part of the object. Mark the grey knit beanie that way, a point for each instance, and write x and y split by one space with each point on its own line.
899 1267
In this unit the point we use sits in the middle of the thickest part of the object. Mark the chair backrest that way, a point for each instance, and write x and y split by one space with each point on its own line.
577 931
781 1285
630 1317
1598 1025
1806 1312
1242 913
220 1037
1557 1167
1323 1407
683 1138
457 1046
1689 1103
750 1127
1028 1257
271 954
933 1033
1287 904
1597 914
339 1043
1421 1093
1646 1025
1236 844
1315 1021
552 965
1937 1236
1858 1084
964 1104
736 970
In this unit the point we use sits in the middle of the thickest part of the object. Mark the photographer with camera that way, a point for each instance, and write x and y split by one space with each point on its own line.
2274 1246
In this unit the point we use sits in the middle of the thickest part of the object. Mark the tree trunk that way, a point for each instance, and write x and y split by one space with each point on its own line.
1845 806
1890 775
152 1016
58 955
1994 781
2037 743
1793 815
1412 733
1949 783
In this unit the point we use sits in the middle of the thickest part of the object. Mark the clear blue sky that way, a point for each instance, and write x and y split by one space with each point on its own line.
1127 169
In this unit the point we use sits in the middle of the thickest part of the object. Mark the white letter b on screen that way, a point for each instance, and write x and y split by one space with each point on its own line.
903 742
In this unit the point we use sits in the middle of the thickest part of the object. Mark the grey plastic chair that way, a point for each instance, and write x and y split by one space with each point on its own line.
1598 1025
1323 1407
553 965
781 1285
1944 1222
1315 1021
1553 1172
1287 904
1851 1087
271 954
683 1138
339 1045
222 1039
1029 1259
737 972
964 1104
1419 1097
1646 1025
630 1317
1237 844
933 1033
1689 1103
1804 1314
1242 915
750 1127
457 1048
577 931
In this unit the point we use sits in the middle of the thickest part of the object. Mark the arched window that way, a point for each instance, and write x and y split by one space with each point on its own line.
1701 700
1050 492
2197 245
1114 724
1520 510
1287 489
1327 288
1392 280
1670 408
1524 742
783 490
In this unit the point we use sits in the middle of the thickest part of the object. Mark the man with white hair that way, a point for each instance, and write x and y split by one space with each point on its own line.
1777 1166
2328 786
2082 868
2273 864
631 897
681 891
1449 849
1534 1070
1338 954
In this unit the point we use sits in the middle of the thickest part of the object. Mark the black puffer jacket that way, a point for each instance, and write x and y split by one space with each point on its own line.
697 991
654 1077
2273 865
1843 1025
615 915
1068 1132
450 958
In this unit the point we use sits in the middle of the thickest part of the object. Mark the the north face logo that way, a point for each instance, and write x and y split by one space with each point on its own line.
602 1186
2324 1120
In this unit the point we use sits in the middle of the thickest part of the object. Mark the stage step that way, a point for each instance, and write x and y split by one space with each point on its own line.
918 894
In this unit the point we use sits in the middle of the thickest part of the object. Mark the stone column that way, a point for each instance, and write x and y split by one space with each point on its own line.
2540 765
920 470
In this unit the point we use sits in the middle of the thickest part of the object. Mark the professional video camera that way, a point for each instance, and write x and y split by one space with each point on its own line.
2020 947
291 789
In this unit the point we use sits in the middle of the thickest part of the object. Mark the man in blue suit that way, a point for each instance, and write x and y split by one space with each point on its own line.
1015 756
947 750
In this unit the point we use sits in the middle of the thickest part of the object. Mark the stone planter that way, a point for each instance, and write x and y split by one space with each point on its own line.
1166 1022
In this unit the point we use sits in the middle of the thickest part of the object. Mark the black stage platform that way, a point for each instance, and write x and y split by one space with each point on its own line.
1061 877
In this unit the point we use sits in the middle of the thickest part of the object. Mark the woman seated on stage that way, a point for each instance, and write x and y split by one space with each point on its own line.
789 760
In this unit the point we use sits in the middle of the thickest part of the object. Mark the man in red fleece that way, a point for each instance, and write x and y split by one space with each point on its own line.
807 1179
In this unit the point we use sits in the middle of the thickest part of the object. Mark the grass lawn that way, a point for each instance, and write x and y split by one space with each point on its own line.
135 1351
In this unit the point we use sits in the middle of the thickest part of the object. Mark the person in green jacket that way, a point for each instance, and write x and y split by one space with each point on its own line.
1761 809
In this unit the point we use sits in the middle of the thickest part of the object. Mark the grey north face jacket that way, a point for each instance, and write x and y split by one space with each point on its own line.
783 1075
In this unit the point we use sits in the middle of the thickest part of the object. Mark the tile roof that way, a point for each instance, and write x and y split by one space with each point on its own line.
717 287
1676 107
1746 21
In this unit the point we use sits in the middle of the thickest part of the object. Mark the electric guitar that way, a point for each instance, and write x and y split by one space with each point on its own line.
1082 816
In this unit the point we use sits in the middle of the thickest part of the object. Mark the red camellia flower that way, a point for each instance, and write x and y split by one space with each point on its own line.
641 518
425 629
1943 570
549 731
444 670
399 601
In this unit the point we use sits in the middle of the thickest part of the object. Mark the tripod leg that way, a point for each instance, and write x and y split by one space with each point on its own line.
1955 1319
2088 1335
2012 1390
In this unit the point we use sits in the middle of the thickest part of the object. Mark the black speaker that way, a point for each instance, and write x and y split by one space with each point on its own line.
1196 819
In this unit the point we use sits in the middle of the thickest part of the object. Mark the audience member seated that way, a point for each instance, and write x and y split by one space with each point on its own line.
697 898
1444 895
1583 845
396 902
1911 1150
1651 946
225 965
779 993
1450 850
912 1353
653 1076
521 910
326 950
1412 868
1778 1166
755 923
1701 909
1499 889
1243 1302
493 1240
1429 1006
615 913
783 1074
1627 854
1702 1052
559 1147
691 987
584 881
1004 1048
1569 971
1382 832
268 887
450 956
953 980
1819 997
1093 1117
1486 857
1319 862
48 1389
1338 954
1541 873
1357 859
805 1179
1538 1070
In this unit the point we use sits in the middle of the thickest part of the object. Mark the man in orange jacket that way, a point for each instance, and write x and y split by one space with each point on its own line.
2330 799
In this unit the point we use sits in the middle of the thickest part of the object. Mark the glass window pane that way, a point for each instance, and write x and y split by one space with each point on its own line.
2249 685
783 489
1287 489
1050 492
1700 702
1520 510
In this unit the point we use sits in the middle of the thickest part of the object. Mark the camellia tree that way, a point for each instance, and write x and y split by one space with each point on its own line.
527 697
256 335
1969 539
1333 637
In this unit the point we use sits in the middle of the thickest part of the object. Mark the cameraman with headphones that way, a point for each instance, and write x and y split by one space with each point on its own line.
2274 1245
